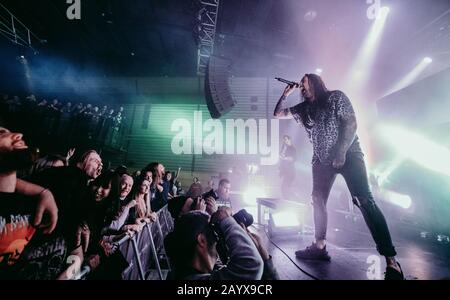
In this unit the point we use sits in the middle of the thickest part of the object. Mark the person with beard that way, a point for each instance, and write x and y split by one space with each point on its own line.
69 186
330 122
24 210
222 194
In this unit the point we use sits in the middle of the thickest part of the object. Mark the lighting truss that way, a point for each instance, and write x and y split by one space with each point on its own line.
15 31
207 22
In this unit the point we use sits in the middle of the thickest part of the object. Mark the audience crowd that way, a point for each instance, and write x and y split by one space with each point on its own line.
60 213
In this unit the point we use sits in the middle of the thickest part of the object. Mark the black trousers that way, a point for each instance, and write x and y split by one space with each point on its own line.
355 175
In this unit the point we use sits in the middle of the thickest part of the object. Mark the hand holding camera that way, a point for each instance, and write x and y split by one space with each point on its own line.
198 204
211 205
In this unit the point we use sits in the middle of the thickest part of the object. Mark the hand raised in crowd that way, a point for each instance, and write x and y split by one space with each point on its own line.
211 205
70 153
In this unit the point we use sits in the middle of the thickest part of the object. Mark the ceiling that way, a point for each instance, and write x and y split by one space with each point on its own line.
262 37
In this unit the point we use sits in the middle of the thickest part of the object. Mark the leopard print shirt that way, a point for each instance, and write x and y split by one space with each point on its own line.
323 125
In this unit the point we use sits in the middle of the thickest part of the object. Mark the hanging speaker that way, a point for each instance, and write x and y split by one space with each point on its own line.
217 90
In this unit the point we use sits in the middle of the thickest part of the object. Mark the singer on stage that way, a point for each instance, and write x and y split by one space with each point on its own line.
330 122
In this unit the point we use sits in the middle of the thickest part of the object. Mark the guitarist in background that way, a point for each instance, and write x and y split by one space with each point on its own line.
288 156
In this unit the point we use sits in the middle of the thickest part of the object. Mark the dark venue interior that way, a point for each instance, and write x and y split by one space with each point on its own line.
147 140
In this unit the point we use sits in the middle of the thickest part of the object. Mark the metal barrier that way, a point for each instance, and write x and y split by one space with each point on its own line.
144 251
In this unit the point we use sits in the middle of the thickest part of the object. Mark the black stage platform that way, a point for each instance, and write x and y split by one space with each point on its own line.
353 254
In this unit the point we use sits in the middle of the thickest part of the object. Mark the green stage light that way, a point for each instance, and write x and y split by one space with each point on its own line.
417 148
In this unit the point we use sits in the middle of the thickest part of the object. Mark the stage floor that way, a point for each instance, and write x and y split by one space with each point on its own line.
353 255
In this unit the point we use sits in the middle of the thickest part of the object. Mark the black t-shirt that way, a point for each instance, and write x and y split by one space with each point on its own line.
25 253
323 125
69 187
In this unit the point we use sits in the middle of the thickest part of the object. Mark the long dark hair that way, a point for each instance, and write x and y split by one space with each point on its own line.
321 95
153 167
109 206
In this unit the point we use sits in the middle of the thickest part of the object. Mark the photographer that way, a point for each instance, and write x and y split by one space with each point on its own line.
191 248
180 206
222 194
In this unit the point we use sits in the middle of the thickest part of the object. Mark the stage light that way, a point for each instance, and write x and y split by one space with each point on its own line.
285 222
286 219
252 169
417 148
251 194
403 201
319 71
360 71
382 174
412 76
22 57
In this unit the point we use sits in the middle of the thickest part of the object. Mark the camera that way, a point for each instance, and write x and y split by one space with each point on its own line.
243 217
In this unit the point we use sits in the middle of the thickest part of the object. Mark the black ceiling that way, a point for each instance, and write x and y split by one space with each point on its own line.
155 37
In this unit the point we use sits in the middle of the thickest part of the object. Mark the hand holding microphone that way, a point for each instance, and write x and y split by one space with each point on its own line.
288 82
290 88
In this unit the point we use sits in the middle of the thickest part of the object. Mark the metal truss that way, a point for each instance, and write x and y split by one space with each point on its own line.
206 22
15 31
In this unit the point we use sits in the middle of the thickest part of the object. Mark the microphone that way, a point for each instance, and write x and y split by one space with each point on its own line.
291 83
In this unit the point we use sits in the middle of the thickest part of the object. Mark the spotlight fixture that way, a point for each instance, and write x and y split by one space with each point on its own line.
319 71
428 60
283 217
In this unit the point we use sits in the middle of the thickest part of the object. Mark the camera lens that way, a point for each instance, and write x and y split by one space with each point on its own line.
243 217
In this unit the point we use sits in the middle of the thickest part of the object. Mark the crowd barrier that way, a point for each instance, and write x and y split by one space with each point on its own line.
144 251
